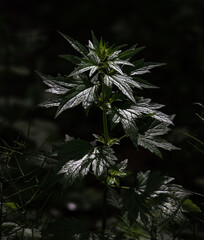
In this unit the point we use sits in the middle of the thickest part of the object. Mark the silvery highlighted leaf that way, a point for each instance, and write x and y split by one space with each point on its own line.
152 142
127 119
127 79
144 84
122 85
82 68
146 68
73 98
103 158
98 159
51 103
114 66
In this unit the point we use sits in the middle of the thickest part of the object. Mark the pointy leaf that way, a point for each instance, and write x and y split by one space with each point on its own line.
98 159
143 83
130 53
122 85
83 68
155 198
124 78
71 58
146 68
152 142
76 45
127 119
82 94
51 103
190 207
95 41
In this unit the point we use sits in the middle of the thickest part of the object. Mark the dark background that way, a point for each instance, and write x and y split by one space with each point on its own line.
171 30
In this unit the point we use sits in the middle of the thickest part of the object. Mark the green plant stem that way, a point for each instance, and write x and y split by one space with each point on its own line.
106 139
105 127
104 208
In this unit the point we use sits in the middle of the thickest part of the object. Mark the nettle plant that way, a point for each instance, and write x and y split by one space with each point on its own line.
106 78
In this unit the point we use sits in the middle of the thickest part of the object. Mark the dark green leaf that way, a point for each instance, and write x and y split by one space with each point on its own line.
71 58
155 199
68 229
76 45
95 41
129 53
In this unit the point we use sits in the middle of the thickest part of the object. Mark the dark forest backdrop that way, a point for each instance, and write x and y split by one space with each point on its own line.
171 30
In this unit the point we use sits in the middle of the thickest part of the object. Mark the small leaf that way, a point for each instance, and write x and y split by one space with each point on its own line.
189 206
95 41
11 205
51 103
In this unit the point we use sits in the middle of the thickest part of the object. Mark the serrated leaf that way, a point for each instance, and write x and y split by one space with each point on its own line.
114 66
98 159
82 68
124 78
103 158
146 68
122 62
127 119
51 103
144 84
144 106
155 199
85 95
76 45
127 116
152 142
122 85
57 82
